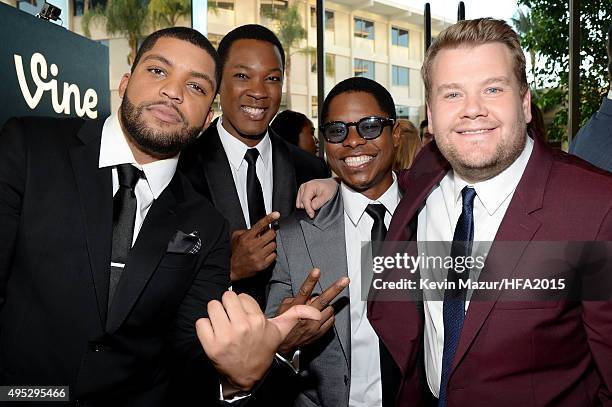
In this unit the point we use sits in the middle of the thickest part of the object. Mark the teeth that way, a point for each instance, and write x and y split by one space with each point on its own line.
474 131
357 161
252 110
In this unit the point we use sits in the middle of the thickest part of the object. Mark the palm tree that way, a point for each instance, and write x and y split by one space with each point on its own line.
290 33
165 13
523 22
127 18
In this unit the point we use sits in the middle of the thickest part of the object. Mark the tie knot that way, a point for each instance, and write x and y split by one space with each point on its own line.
468 194
376 212
251 156
128 175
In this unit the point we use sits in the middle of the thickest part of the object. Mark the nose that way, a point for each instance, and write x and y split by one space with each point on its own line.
257 89
474 106
172 89
353 139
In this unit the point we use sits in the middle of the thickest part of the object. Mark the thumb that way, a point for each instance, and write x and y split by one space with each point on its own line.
287 320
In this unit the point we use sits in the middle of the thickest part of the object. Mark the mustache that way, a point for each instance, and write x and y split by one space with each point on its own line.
161 103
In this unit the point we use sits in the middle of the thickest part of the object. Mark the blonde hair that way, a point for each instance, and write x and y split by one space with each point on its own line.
473 33
409 145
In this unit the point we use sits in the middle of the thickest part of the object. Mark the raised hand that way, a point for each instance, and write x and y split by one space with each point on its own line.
308 331
240 341
253 250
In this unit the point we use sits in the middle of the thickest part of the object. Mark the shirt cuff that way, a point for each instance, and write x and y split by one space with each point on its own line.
294 364
238 396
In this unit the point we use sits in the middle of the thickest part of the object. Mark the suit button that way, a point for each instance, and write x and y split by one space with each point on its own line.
97 347
346 380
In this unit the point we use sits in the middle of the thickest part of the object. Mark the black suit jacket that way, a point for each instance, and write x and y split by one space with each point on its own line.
207 167
55 249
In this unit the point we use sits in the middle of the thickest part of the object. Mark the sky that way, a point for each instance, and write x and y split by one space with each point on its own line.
503 9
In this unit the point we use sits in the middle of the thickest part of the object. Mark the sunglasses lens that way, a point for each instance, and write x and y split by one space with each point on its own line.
370 128
335 132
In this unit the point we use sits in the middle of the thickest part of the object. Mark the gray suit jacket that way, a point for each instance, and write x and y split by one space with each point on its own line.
594 140
304 243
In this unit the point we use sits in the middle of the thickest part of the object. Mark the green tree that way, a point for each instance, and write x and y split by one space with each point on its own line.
524 25
549 37
127 18
290 32
165 13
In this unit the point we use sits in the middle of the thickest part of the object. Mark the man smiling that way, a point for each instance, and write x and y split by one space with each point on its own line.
349 366
248 172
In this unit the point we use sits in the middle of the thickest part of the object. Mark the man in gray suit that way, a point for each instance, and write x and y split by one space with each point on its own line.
594 140
347 365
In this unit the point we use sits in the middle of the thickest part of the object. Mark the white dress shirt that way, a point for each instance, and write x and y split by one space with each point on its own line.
610 94
235 151
366 386
436 223
114 150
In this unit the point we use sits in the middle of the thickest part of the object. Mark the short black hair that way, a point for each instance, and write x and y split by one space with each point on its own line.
361 84
249 32
185 34
289 124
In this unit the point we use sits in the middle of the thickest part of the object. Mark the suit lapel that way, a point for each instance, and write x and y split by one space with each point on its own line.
325 235
517 229
220 180
284 184
157 229
95 190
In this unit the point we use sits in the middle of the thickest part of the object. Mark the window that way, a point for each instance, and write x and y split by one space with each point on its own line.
364 29
270 7
79 5
402 112
329 19
221 4
400 76
330 65
314 107
214 39
364 68
399 37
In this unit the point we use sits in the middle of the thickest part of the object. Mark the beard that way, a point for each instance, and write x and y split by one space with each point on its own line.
476 168
156 143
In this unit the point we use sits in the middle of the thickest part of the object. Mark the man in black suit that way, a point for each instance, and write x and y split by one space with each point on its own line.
108 258
250 173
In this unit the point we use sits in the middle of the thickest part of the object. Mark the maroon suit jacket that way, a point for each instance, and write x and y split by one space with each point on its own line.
515 353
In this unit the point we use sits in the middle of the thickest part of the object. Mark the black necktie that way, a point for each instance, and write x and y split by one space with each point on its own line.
379 230
454 300
257 208
389 372
124 216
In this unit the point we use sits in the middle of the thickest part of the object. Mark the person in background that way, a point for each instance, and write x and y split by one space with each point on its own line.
296 129
409 145
426 136
594 140
536 127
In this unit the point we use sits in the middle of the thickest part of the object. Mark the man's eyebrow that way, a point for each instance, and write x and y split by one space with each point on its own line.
247 67
448 86
497 79
159 58
195 74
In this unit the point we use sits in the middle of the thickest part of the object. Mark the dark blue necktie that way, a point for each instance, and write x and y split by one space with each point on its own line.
454 299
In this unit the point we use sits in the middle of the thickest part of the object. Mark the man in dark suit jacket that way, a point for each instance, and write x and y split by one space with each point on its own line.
593 142
253 62
548 216
108 258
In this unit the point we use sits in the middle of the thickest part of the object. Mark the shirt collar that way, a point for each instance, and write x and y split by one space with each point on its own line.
610 94
355 203
493 192
236 149
114 150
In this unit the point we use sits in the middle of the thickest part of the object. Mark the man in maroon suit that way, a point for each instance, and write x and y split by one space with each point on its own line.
484 179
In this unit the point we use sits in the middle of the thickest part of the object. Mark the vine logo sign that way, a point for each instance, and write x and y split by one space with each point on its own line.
50 71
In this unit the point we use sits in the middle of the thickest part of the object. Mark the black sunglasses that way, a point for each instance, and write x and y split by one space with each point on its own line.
369 128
